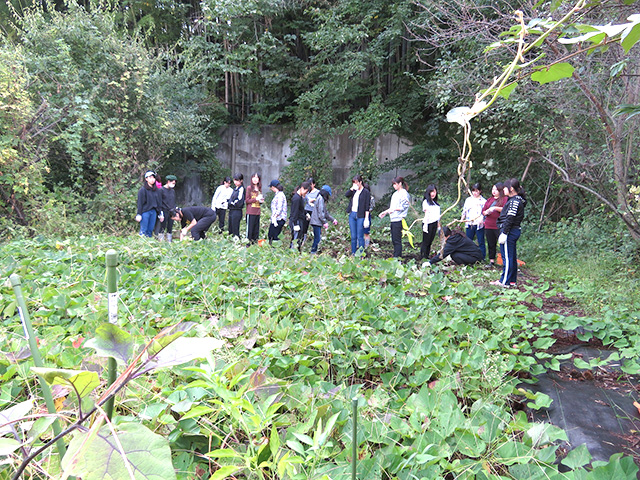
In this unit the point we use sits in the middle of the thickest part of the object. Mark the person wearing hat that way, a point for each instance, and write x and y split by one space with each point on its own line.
320 217
149 205
196 220
168 203
278 211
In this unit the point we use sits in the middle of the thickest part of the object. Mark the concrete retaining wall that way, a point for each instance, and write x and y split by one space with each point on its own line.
267 152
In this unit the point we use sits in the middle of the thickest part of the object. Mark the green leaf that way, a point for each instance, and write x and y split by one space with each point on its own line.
507 90
578 457
83 381
111 341
553 73
630 37
97 457
224 472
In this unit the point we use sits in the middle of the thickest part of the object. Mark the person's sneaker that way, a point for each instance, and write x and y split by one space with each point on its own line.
497 283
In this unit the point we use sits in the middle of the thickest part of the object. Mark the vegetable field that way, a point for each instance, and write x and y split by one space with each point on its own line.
247 363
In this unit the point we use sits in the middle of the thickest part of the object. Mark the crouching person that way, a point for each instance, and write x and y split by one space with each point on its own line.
461 249
196 220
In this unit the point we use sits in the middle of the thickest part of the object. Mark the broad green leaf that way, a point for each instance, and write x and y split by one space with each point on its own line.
507 90
224 472
12 414
112 341
544 433
630 37
183 350
224 453
553 73
98 457
578 457
83 381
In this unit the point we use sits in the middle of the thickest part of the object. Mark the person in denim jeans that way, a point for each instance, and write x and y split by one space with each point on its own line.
149 205
472 216
320 216
358 210
509 224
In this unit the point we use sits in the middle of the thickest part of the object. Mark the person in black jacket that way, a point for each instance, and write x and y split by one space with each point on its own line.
149 205
463 250
297 215
509 223
358 211
196 220
236 203
168 203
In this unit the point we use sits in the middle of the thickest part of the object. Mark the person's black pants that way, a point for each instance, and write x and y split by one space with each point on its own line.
199 230
274 232
235 216
167 225
222 213
464 259
427 240
253 228
491 235
396 238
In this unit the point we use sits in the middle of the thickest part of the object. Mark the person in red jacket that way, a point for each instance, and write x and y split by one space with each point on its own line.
491 212
253 202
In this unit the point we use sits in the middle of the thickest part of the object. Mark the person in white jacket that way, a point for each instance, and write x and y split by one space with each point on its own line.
472 216
431 220
398 209
220 201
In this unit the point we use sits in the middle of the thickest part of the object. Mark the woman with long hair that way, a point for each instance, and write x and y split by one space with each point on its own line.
509 223
491 211
358 211
431 220
254 200
398 209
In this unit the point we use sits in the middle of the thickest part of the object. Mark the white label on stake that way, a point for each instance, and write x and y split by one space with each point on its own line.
113 307
24 325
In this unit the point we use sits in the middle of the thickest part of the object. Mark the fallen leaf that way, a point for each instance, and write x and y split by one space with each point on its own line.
637 405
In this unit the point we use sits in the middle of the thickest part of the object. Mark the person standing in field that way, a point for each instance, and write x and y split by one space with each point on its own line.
296 218
320 217
149 205
431 220
398 209
309 205
220 201
472 216
168 194
509 223
491 211
254 201
358 211
236 203
278 211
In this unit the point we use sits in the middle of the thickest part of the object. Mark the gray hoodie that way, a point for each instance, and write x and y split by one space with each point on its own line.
319 215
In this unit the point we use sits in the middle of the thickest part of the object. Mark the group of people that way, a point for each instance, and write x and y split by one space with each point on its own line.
491 221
